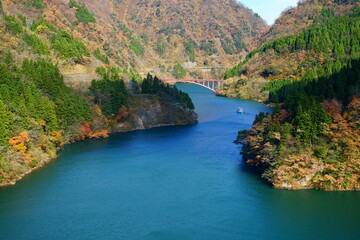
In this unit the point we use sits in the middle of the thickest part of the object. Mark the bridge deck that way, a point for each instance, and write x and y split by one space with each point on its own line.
211 84
191 80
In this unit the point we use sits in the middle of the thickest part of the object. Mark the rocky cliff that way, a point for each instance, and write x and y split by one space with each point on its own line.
146 111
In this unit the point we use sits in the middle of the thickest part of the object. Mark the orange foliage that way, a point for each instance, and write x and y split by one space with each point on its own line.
19 143
100 134
57 138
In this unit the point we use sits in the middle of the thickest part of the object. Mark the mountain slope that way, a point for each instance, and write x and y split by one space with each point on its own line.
154 36
212 26
296 19
39 113
311 140
330 38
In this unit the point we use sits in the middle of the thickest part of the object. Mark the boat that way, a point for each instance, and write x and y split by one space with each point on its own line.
240 110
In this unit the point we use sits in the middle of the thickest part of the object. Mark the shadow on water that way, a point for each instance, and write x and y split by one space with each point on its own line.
243 167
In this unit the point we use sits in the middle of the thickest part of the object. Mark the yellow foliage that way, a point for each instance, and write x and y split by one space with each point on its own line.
19 143
42 122
97 110
41 29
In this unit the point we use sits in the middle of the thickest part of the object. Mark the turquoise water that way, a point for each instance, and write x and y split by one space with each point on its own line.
170 183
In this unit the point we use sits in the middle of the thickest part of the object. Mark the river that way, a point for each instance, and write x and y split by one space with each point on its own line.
170 183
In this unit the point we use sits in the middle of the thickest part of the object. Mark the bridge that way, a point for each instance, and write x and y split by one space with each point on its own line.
209 84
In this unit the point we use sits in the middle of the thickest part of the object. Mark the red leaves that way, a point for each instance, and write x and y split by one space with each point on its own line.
85 128
86 132
281 116
123 113
334 108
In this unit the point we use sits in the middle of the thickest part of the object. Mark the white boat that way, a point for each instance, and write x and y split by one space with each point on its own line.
240 110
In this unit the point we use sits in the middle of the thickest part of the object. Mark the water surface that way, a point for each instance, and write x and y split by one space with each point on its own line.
170 183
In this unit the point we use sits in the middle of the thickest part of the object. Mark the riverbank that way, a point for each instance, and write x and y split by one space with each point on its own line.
145 112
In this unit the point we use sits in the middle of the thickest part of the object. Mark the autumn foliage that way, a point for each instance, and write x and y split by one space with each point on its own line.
330 161
19 143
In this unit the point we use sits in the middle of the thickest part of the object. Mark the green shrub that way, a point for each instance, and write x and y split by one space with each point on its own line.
106 46
179 71
12 26
37 44
272 70
44 23
136 47
100 56
1 8
320 152
82 13
190 49
69 47
37 3
23 19
160 49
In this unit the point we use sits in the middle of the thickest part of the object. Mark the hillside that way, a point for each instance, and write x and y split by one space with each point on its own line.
212 33
152 36
326 39
296 19
311 140
39 113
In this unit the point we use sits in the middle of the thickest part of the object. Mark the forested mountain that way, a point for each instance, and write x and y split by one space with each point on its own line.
311 140
152 35
39 113
212 33
328 39
68 72
296 19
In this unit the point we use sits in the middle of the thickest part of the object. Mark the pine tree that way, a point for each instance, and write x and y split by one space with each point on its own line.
6 121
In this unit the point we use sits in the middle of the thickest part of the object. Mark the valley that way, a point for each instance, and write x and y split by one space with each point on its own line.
194 119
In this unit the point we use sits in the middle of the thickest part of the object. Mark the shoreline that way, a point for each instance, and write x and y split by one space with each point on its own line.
44 164
148 112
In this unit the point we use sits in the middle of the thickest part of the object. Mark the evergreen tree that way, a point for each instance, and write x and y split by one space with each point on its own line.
6 123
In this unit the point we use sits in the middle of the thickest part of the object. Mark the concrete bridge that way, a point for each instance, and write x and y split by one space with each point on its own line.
209 84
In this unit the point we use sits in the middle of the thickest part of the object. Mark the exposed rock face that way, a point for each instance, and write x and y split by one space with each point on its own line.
147 112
